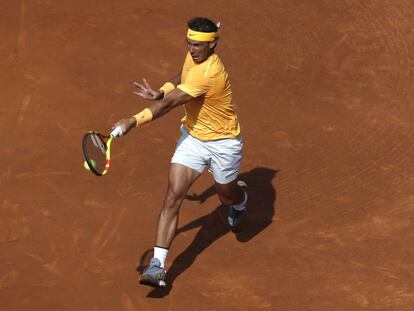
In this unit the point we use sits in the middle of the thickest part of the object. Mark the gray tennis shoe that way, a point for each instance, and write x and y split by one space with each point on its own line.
154 275
235 217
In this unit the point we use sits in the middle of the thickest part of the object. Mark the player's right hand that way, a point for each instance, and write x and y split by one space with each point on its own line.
145 91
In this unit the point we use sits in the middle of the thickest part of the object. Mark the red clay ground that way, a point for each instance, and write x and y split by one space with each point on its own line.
324 90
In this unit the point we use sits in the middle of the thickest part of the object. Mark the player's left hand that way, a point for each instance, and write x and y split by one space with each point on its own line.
146 91
125 124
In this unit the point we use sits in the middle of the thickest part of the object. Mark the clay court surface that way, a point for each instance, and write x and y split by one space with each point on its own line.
324 91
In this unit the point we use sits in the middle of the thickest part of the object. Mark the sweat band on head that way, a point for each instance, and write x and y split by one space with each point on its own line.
201 36
143 117
167 87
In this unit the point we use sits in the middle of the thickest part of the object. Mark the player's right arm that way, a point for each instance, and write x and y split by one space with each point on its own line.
176 80
146 91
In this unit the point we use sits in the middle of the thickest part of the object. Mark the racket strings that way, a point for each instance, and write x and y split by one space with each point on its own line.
96 151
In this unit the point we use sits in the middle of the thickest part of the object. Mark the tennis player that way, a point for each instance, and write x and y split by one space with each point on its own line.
210 137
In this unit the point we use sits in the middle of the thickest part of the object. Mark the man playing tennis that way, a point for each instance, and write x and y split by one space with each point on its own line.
210 137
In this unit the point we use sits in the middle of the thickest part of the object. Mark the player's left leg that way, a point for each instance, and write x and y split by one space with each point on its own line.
226 155
234 195
230 193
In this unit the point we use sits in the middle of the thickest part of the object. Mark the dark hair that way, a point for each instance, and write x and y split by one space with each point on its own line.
202 24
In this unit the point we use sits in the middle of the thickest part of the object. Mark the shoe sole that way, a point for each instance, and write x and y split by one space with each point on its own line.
148 280
242 184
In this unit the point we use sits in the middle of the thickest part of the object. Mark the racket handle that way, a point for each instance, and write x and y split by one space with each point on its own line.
117 132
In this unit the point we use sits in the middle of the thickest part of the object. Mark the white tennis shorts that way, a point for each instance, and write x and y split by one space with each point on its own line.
222 157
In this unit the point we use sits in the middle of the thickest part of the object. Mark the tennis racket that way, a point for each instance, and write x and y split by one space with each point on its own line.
96 149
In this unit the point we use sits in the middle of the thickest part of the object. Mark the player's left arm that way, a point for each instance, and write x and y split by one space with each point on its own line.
174 99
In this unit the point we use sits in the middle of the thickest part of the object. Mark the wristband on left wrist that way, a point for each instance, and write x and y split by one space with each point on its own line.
143 117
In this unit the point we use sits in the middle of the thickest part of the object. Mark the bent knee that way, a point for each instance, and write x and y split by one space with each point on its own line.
172 199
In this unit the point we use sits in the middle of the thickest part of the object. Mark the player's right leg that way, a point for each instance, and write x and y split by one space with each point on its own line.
179 181
187 165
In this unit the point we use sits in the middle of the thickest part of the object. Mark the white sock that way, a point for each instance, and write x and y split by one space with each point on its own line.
161 254
242 205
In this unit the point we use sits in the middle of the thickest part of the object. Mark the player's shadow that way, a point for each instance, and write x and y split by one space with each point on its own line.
261 209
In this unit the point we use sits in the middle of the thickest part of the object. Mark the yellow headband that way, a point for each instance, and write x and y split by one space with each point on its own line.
201 36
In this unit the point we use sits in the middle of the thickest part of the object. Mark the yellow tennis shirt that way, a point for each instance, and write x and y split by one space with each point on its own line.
210 114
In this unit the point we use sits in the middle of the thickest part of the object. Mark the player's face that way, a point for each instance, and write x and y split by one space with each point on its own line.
200 51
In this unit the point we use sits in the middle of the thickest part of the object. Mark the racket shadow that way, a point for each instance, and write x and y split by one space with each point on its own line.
261 204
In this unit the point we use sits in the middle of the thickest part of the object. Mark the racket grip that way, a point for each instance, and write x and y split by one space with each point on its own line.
117 132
